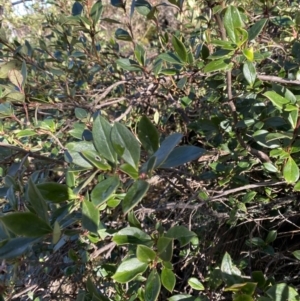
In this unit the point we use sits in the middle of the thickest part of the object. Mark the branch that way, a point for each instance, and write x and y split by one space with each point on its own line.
277 79
31 154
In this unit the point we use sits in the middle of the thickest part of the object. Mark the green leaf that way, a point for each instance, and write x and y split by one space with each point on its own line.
256 29
281 292
168 279
271 236
270 167
179 48
148 135
90 216
291 171
56 234
277 100
297 186
129 170
26 224
165 248
249 73
143 7
16 247
37 201
218 65
15 78
24 74
182 297
73 155
231 274
101 135
94 158
133 221
182 234
128 65
145 254
77 8
195 284
131 235
153 285
129 269
165 149
134 195
55 192
26 133
7 66
293 118
122 35
140 54
104 190
249 54
171 57
297 254
125 144
96 11
259 278
181 155
232 20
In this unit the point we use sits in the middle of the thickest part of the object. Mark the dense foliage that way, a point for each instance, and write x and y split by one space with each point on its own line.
149 151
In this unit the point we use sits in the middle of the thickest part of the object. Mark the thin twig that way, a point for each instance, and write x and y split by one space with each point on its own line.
31 154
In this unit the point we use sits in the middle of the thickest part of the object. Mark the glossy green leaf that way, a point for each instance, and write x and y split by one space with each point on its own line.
125 144
16 247
26 224
129 269
94 158
182 297
232 20
293 118
259 278
195 284
122 35
282 291
170 57
270 167
277 100
218 65
231 274
131 235
153 285
37 201
129 170
96 11
256 29
168 279
165 248
179 48
56 234
181 155
134 195
133 221
143 7
297 254
148 135
74 150
271 236
249 54
26 133
249 73
101 135
77 8
181 233
140 54
291 171
103 190
128 64
16 78
165 149
55 192
145 254
245 287
90 216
